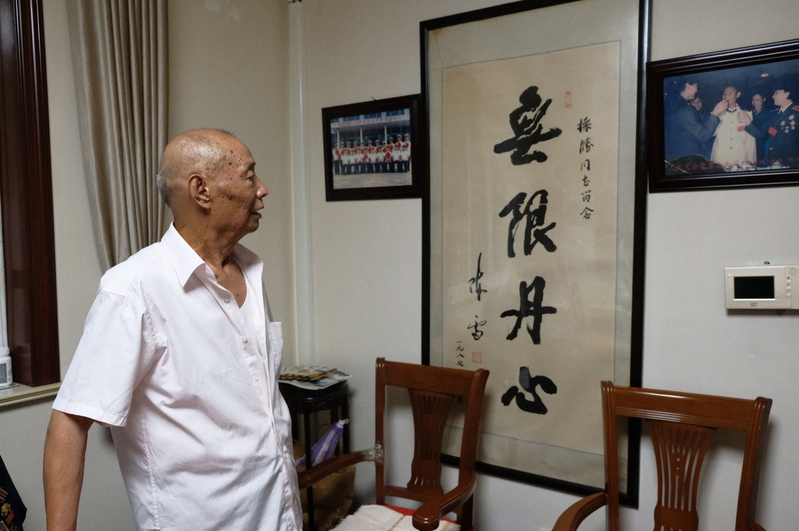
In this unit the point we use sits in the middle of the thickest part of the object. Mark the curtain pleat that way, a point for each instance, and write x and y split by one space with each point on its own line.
119 55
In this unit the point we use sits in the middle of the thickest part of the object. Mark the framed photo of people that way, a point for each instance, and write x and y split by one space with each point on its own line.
534 219
725 119
373 150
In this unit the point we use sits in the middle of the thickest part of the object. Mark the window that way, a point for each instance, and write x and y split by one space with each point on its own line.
26 195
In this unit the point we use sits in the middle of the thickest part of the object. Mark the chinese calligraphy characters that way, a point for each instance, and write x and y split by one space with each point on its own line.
525 121
526 124
527 308
530 384
583 126
477 286
535 218
475 328
460 357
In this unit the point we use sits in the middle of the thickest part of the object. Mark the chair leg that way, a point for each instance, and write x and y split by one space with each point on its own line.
311 510
465 517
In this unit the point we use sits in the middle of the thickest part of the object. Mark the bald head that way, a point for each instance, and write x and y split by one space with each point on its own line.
200 151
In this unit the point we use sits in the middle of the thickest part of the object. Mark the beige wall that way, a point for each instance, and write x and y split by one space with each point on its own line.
228 69
361 261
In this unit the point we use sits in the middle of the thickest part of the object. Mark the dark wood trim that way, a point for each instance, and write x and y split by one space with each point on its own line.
26 195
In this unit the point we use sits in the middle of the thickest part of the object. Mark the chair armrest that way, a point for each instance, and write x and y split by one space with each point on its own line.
308 477
754 526
579 511
428 515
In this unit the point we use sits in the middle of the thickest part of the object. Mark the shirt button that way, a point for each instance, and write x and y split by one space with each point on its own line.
245 340
227 300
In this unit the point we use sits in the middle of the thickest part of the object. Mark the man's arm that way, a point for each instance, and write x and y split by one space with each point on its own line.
64 456
704 131
752 128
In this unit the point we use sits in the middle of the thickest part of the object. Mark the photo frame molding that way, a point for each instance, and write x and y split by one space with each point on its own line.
706 63
417 152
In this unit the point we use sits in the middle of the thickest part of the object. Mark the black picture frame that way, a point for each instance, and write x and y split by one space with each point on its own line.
760 69
371 173
534 16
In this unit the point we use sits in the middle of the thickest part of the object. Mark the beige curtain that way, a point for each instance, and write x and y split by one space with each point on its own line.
119 54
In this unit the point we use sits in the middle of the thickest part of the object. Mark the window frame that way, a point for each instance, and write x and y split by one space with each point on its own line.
26 196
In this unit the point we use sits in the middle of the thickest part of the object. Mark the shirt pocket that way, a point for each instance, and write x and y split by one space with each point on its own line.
275 348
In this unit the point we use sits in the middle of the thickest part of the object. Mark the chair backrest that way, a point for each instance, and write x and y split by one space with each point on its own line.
432 392
681 426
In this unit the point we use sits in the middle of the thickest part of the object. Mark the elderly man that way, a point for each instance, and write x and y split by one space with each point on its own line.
179 356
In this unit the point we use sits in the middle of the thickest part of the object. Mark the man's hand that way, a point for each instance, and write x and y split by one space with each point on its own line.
720 107
744 118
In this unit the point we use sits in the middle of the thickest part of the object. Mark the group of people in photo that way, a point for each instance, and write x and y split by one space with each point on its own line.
746 128
392 155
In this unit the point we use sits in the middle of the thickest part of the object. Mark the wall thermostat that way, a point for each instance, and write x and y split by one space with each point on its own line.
760 287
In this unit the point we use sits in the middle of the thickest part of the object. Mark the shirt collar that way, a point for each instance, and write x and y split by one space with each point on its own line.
187 262
184 258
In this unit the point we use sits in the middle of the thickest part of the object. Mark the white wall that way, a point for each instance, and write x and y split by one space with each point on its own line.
367 255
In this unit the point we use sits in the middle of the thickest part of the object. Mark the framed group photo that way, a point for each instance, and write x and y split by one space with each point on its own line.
373 150
725 119
534 217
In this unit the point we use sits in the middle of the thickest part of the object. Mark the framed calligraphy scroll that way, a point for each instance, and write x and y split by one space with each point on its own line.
534 225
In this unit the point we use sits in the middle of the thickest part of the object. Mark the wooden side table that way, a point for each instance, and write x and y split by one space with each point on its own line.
306 402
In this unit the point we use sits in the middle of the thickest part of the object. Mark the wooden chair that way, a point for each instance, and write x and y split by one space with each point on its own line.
681 426
432 392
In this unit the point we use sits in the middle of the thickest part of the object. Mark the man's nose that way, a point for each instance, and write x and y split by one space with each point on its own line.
262 190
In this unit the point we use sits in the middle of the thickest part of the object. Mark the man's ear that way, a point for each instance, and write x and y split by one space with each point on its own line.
199 190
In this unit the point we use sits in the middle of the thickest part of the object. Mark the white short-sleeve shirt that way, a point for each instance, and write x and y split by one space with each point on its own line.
202 434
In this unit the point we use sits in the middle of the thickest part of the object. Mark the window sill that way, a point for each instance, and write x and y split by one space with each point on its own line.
21 394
